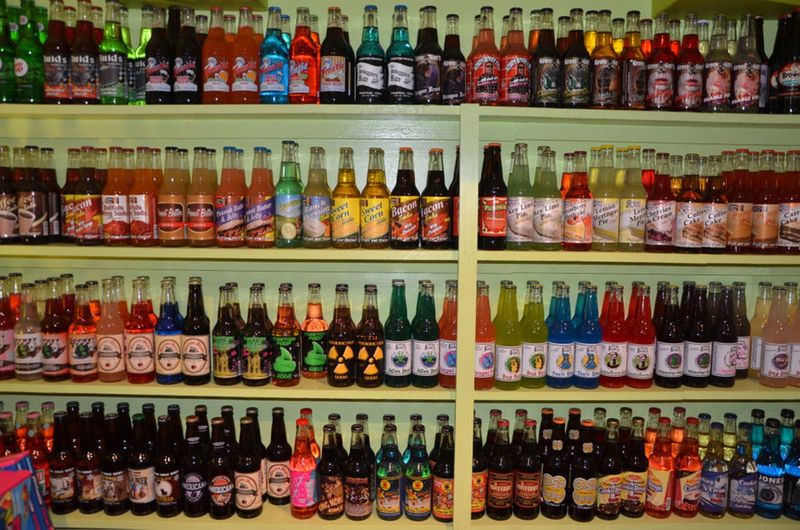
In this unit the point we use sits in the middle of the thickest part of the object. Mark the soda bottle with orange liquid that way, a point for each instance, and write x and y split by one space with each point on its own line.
244 59
448 330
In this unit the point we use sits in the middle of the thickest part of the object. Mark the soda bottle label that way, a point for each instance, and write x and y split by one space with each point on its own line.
613 358
194 487
142 485
788 79
578 221
746 85
356 496
170 218
216 73
659 489
226 356
388 501
333 73
299 77
427 77
697 361
303 486
723 359
229 213
375 215
533 360
220 489
492 218
116 219
200 217
765 225
448 351
606 82
609 493
454 73
689 94
405 218
560 360
669 359
398 358
255 358
83 76
90 484
769 493
115 487
82 354
717 88
87 214
794 362
6 351
8 215
28 353
632 221
113 75
742 494
400 79
789 225
370 81
500 494
272 75
743 353
260 220
527 489
715 225
314 348
480 481
435 219
454 219
247 496
137 80
485 76
417 496
554 489
32 213
689 224
660 83
55 353
687 490
285 367
278 481
139 353
587 360
605 220
740 227
776 360
634 488
443 497
547 81
484 360
426 358
547 220
634 83
331 495
508 363
142 208
168 354
244 74
316 218
576 81
157 73
195 355
370 353
110 351
185 73
641 358
56 76
757 352
714 492
344 219
62 484
520 219
660 227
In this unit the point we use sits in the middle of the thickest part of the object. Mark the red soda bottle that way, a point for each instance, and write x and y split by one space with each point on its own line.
56 57
139 340
689 85
641 343
660 474
661 69
484 341
515 65
647 37
304 62
84 62
675 34
448 330
483 63
740 205
578 208
244 61
7 321
216 62
83 341
40 458
614 347
688 467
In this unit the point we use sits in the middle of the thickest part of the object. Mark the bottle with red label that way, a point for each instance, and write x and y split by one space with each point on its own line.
84 59
455 199
304 54
435 205
689 75
766 205
718 69
634 66
577 233
216 62
142 198
139 340
787 64
515 64
605 67
87 208
746 69
661 69
57 53
171 205
114 202
335 68
493 201
483 64
244 61
577 76
188 57
159 61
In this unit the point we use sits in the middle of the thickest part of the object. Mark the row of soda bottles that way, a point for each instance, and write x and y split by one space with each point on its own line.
95 461
607 64
47 332
108 198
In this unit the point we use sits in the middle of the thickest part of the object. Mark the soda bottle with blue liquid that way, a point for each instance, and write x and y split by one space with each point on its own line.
589 335
561 343
168 331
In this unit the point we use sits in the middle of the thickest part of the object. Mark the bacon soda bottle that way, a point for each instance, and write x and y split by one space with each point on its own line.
405 204
216 62
87 207
661 69
435 205
485 70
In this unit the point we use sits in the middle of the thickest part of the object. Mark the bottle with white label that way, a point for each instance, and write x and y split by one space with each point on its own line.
670 345
28 338
548 205
697 360
726 343
520 202
588 344
168 337
632 203
561 343
534 338
397 335
744 351
605 203
641 342
508 351
614 349
485 337
777 341
689 209
757 323
715 229
425 340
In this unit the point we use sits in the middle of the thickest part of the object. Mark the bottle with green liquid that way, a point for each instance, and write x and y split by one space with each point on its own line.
533 331
632 203
605 203
289 200
520 202
508 341
425 334
397 335
548 205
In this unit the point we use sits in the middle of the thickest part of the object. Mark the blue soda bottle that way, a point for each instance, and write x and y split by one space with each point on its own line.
580 304
786 433
370 61
791 495
561 343
589 335
551 310
771 474
168 330
757 431
273 71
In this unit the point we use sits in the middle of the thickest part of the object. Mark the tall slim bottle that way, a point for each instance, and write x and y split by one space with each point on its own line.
375 204
546 66
454 66
370 342
398 343
317 203
588 338
195 348
521 202
273 72
256 345
746 69
776 345
718 69
289 200
641 342
427 60
605 67
28 360
634 66
534 337
83 341
508 352
425 335
56 59
304 78
341 342
55 340
345 206
561 343
548 205
576 82
660 474
370 82
484 71
485 336
493 201
771 474
661 68
405 204
286 341
448 334
29 58
335 64
757 323
435 206
400 60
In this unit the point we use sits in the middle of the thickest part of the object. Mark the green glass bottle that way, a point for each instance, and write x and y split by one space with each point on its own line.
113 59
29 58
41 23
137 60
125 27
548 206
289 200
508 349
520 202
8 85
425 334
14 13
534 338
397 335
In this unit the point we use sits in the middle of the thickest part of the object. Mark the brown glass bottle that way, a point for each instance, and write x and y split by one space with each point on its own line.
500 484
87 468
278 454
341 342
226 341
114 470
435 205
370 342
248 470
256 346
455 200
169 499
527 475
194 471
196 360
220 474
140 470
555 474
63 491
492 202
583 486
405 204
609 470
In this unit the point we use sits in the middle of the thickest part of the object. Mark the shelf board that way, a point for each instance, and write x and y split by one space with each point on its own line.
744 390
733 8
65 251
671 523
308 389
634 258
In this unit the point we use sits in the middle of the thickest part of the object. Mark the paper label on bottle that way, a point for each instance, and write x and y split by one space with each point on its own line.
689 224
765 225
157 72
116 218
587 360
426 357
605 82
87 210
82 354
244 73
333 73
7 348
56 76
442 504
303 487
260 220
634 488
8 215
170 216
370 81
775 362
299 76
756 352
142 483
641 361
28 353
548 220
256 359
514 79
273 74
139 353
227 359
534 360
331 495
375 217
405 218
634 83
32 213
316 218
229 217
576 90
789 225
742 353
388 495
500 489
435 213
480 481
247 490
90 483
554 489
508 363
794 362
398 358
609 493
769 492
492 216
62 484
527 489
660 227
742 493
400 75
447 357
686 493
484 75
345 219
746 85
717 90
660 84
83 76
669 359
194 487
142 210
220 490
714 491
605 220
560 360
427 77
659 489
632 221
278 479
689 89
115 486
288 216
484 360
216 74
546 81
740 223
168 354
454 75
723 359
55 353
578 221
715 231
697 359
113 72
200 217
613 358
195 355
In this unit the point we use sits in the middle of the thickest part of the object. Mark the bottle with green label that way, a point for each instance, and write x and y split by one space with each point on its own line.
534 338
520 202
425 345
289 200
226 341
113 59
508 349
256 346
397 334
317 203
605 203
8 84
285 341
29 58
632 203
315 330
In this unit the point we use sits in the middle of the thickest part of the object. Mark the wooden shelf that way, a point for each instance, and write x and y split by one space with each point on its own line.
635 258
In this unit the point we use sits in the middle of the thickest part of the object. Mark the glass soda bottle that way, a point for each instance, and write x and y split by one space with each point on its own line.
718 69
286 341
641 342
578 220
661 474
484 69
143 198
289 200
159 63
428 60
614 349
28 360
341 357
500 480
425 340
56 58
771 474
400 60
335 64
110 337
746 68
273 73
188 57
316 213
216 62
548 204
259 202
776 342
370 82
435 205
520 216
546 66
256 346
226 341
690 207
454 66
633 203
561 343
369 364
112 62
418 481
485 337
171 205
137 60
634 65
29 58
314 336
245 61
534 338
605 66
606 202
688 466
661 68
689 67
139 340
448 332
195 348
303 474
660 209
8 82
576 82
588 347
766 208
114 200
167 334
55 341
398 343
345 201
493 201
229 204
83 341
405 204
375 204
508 349
455 200
304 79
555 473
